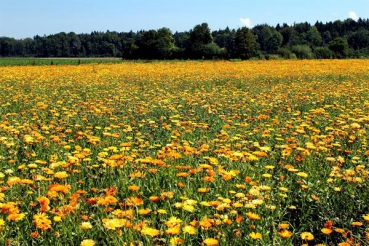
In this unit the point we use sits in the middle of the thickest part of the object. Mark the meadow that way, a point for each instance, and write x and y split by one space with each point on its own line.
185 153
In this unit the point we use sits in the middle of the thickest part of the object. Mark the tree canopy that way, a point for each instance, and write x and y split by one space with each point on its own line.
338 39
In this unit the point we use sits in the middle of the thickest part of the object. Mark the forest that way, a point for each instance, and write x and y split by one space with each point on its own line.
337 39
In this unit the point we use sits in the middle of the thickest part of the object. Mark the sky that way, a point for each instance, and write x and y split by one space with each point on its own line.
27 18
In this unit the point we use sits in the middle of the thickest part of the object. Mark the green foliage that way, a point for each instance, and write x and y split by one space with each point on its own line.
245 43
197 43
322 53
268 38
302 51
339 47
284 53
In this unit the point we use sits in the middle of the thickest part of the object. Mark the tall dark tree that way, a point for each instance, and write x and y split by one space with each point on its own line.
199 37
245 43
268 38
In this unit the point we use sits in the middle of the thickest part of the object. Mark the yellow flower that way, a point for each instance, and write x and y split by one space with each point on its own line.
87 242
173 230
189 229
144 211
255 235
326 231
86 225
307 236
203 190
302 174
150 231
61 175
176 241
57 218
211 242
366 217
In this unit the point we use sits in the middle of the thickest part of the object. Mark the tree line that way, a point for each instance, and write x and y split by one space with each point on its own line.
338 39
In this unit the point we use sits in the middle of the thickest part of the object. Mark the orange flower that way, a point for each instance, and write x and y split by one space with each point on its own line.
34 234
15 217
134 201
285 233
356 223
134 188
328 224
253 216
154 198
283 226
42 221
108 200
206 223
44 202
239 218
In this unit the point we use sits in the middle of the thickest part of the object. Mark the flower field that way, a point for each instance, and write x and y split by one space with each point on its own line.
185 153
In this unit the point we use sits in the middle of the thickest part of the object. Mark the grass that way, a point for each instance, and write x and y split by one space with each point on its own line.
32 61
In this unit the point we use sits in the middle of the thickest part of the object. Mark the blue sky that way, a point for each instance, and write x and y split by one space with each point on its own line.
27 18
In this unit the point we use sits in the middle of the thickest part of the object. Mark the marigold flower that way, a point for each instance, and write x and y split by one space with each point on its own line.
326 231
176 241
150 231
173 230
35 234
211 242
307 236
57 218
356 223
285 233
86 225
283 226
15 216
133 188
189 229
253 216
61 175
88 242
42 221
366 217
255 235
154 198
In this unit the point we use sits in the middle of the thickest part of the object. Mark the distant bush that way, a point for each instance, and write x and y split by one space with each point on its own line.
284 53
322 53
302 51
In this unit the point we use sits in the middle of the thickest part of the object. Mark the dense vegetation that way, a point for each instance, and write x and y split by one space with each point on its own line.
338 39
185 153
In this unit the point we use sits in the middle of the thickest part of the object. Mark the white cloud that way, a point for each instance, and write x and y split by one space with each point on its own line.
245 22
353 15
